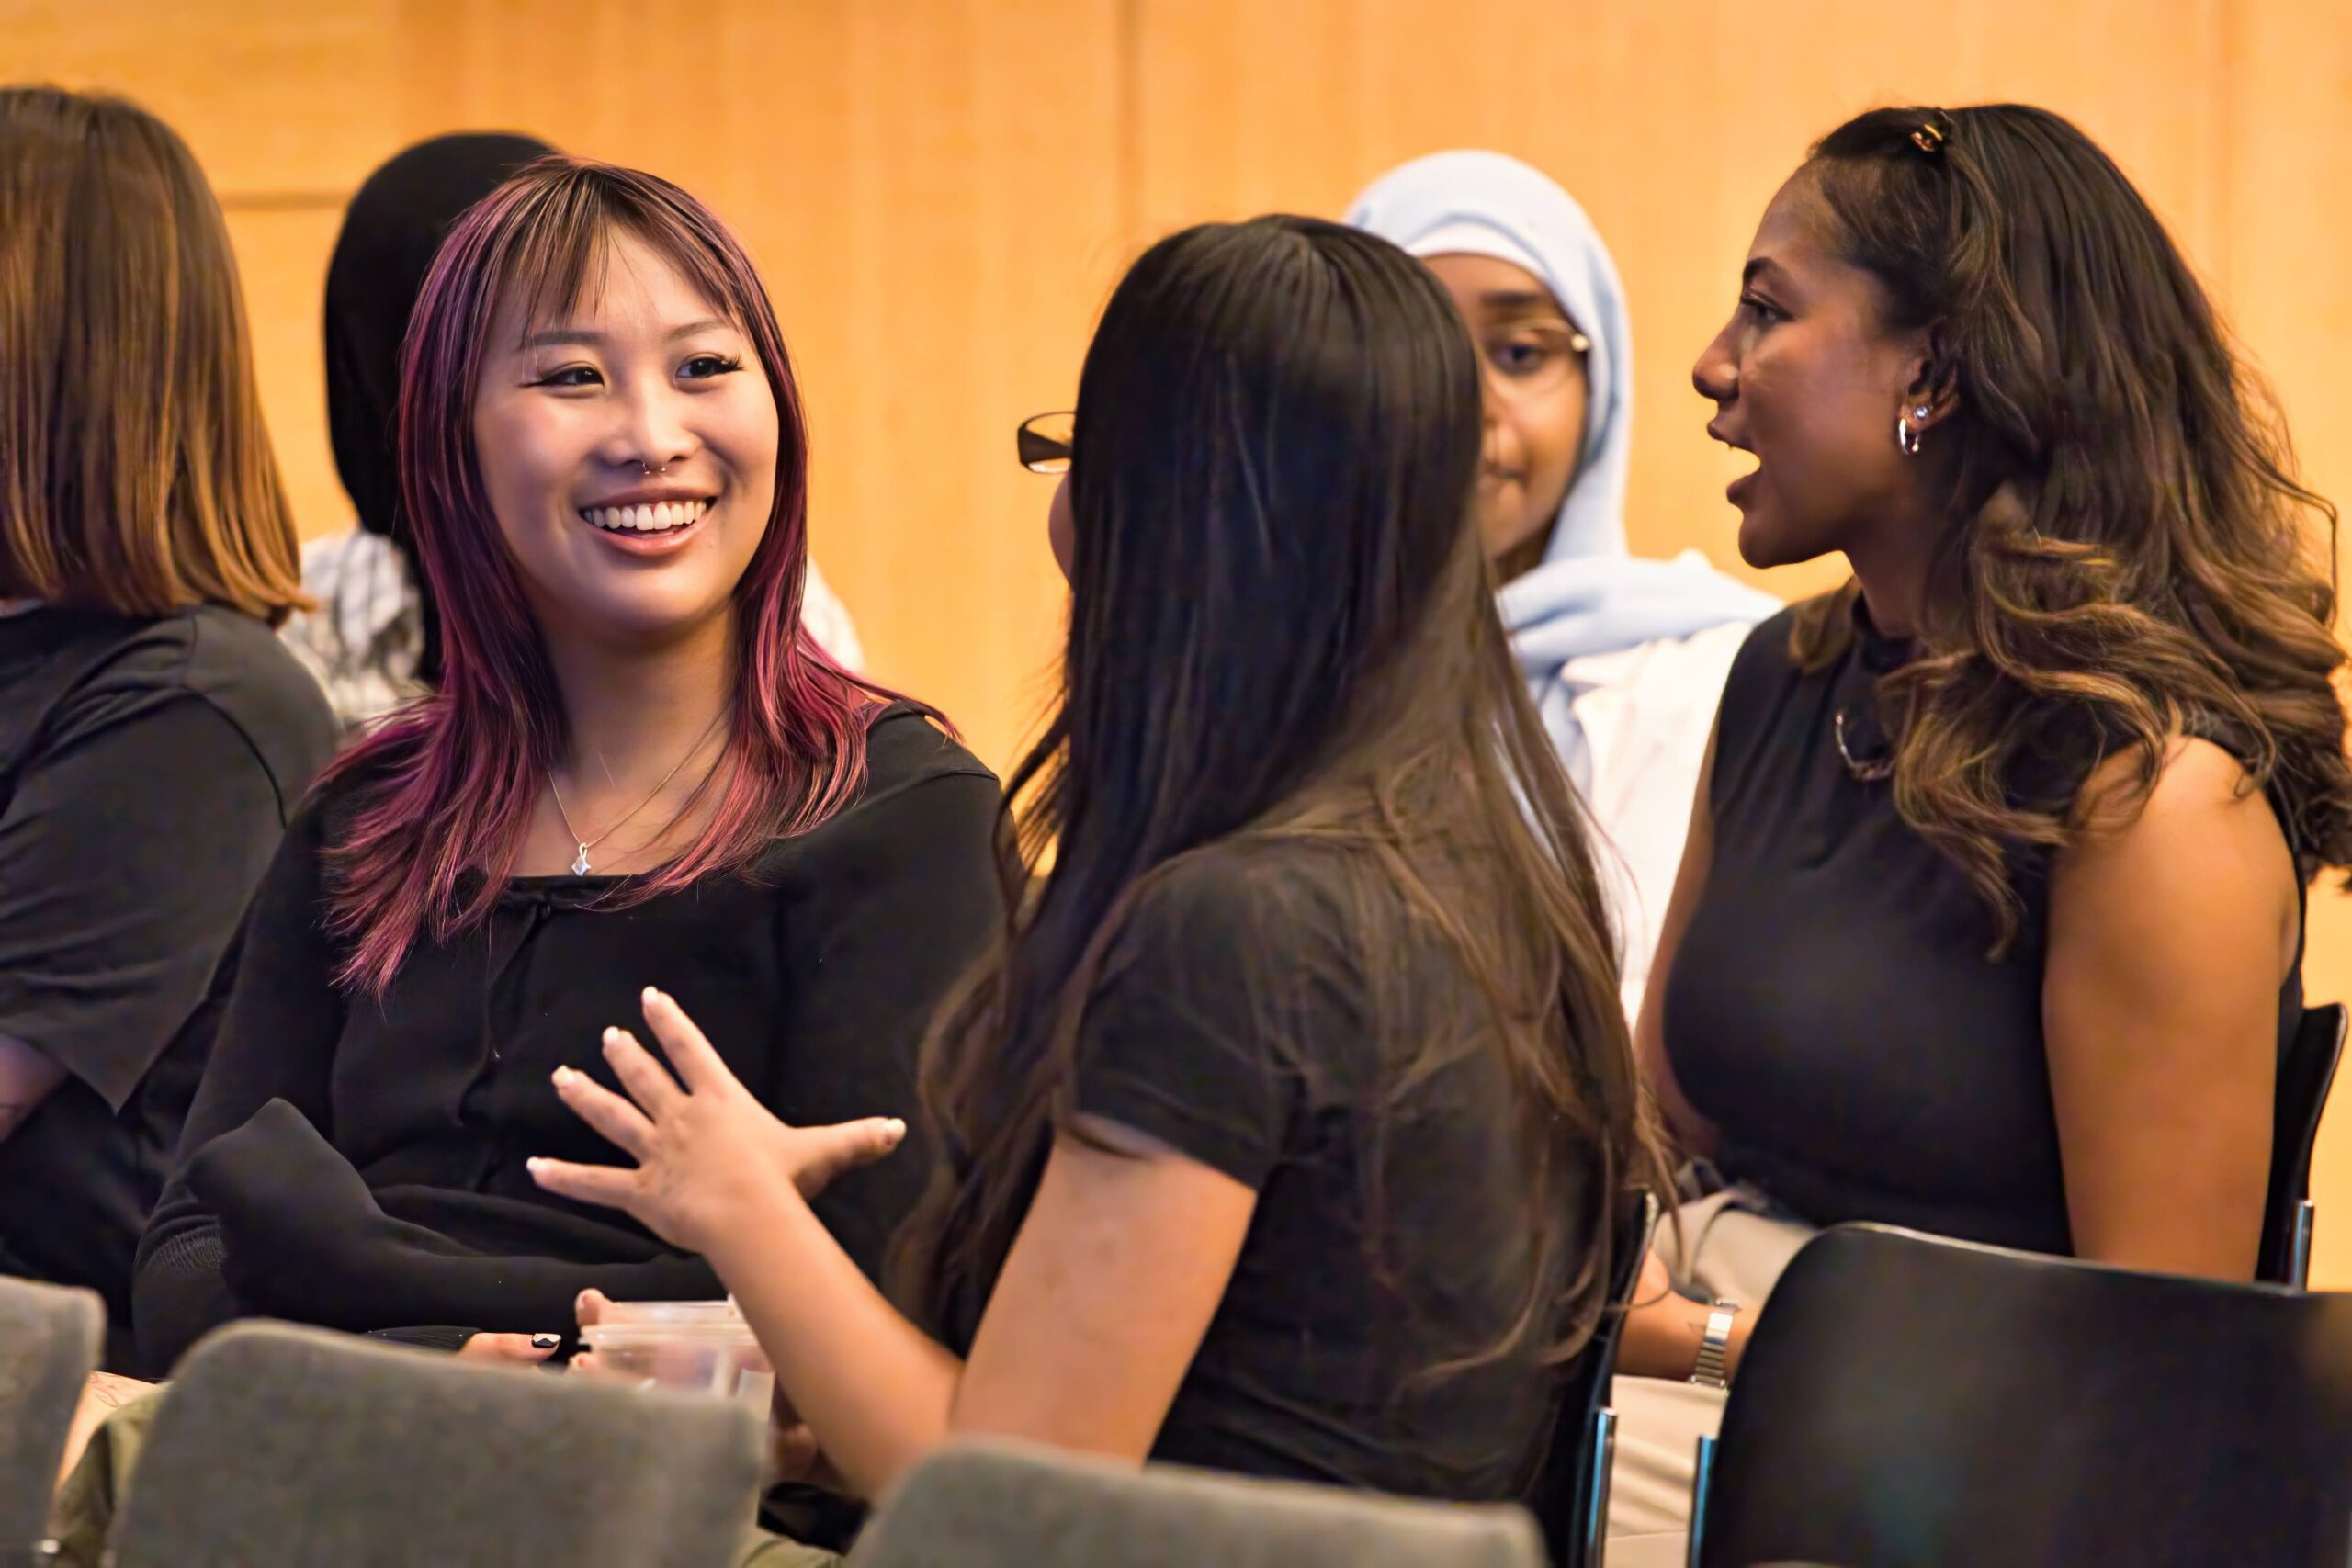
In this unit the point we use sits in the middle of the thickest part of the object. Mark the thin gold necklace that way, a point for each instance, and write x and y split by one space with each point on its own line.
580 860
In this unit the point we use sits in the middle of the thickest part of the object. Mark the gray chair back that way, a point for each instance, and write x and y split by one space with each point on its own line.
49 1347
999 1505
301 1449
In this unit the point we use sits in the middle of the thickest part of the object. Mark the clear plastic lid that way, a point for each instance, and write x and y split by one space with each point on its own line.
713 1333
682 1315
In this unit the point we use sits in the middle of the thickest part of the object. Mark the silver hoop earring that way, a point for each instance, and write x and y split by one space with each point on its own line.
1906 435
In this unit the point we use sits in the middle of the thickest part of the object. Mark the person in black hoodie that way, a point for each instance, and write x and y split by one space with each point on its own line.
375 639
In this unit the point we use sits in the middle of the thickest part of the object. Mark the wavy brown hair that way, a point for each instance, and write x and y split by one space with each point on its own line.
1283 638
135 475
2129 554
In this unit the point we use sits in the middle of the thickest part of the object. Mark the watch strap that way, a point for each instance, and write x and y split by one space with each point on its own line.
1715 1345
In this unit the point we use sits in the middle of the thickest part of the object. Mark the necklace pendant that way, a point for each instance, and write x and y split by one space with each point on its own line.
580 861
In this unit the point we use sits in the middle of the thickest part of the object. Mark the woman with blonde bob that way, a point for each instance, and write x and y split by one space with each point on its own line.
153 735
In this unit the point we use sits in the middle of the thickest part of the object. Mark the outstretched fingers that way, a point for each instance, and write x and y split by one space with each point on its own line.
620 1122
697 1063
606 1185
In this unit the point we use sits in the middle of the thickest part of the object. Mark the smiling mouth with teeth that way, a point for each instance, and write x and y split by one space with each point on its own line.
659 517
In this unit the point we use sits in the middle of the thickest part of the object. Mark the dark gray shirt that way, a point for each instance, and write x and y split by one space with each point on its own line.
148 768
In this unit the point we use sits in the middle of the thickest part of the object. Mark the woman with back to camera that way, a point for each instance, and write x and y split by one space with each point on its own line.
155 737
1992 916
1625 655
637 768
1283 1128
374 641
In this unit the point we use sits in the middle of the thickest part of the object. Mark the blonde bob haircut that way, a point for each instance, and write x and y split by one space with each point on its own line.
135 472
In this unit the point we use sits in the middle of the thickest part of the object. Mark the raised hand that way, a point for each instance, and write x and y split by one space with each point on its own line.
708 1154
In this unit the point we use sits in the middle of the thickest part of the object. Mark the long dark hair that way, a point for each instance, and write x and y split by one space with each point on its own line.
2129 553
1283 631
435 833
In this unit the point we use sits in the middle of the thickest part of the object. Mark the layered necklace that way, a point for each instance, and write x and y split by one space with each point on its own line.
579 866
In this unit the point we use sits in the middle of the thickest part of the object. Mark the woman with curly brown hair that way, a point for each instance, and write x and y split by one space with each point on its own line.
1991 915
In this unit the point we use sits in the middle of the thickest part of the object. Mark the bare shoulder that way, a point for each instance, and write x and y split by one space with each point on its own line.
2199 789
2200 852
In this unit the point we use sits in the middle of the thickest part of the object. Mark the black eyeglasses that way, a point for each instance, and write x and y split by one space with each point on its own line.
1042 442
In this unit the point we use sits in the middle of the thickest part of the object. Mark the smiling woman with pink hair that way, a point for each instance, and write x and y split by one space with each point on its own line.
638 769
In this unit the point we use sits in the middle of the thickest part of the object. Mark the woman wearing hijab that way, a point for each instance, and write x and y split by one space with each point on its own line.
374 641
1625 656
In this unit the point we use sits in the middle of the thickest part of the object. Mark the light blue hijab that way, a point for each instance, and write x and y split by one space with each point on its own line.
1589 595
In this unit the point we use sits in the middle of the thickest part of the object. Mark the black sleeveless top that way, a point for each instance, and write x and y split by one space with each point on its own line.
1831 1008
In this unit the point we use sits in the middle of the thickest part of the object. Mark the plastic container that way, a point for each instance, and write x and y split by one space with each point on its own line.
698 1346
686 1314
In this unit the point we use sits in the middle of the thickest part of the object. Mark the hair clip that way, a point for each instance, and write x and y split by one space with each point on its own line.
1928 139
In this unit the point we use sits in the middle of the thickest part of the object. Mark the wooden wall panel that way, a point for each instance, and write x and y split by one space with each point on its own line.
2290 228
941 192
1672 120
282 260
277 98
932 190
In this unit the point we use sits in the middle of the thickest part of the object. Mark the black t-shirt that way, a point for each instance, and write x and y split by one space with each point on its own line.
1832 1009
357 1161
1239 1020
147 770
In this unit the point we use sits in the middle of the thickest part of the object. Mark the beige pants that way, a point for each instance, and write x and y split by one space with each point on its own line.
1735 1254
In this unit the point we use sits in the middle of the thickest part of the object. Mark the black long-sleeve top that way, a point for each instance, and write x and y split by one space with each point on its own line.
357 1161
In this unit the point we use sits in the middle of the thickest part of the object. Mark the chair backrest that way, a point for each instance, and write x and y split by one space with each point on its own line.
49 1347
2305 1073
1565 1504
1908 1402
302 1449
997 1505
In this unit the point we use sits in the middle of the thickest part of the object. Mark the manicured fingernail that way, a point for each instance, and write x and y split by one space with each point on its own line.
546 1341
652 995
612 1038
535 1164
895 1127
564 1077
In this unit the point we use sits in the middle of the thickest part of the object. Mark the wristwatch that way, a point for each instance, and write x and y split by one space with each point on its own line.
1712 1345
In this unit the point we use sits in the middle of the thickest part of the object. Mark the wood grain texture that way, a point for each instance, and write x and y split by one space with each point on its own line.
941 194
271 96
2290 229
282 260
1672 122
